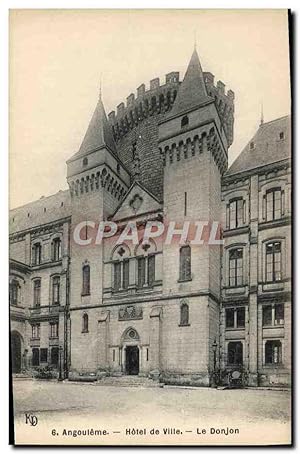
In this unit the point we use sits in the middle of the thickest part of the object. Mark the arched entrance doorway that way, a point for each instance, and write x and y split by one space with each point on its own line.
16 352
131 352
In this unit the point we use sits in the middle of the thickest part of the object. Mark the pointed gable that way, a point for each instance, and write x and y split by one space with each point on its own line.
98 134
192 91
137 201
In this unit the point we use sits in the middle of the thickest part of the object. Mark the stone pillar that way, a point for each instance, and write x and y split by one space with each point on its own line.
155 341
253 281
102 354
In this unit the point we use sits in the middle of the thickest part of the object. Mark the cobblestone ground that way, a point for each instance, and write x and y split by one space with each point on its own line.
60 403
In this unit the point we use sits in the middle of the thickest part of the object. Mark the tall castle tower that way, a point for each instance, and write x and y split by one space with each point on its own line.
194 145
98 181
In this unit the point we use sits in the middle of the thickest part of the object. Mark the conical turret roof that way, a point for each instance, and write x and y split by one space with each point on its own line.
192 91
98 134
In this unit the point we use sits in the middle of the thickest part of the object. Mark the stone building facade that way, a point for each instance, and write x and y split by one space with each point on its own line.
177 311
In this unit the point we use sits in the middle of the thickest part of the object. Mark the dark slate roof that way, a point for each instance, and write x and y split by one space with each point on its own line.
42 211
98 134
192 91
268 146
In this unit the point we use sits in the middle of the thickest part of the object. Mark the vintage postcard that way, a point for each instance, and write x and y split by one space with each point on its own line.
150 227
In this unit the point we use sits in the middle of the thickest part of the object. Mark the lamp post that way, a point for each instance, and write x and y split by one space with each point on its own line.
60 378
214 347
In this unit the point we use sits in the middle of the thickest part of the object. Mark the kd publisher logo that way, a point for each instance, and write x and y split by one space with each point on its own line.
31 419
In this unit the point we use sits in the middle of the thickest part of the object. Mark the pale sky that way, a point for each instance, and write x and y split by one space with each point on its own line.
58 56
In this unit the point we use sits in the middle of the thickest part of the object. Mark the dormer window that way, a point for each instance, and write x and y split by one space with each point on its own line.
251 145
85 162
281 135
184 121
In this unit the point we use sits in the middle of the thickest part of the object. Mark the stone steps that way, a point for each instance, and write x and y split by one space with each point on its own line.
129 381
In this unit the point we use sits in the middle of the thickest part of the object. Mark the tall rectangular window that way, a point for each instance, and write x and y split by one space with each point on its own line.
125 273
86 280
54 329
229 313
56 249
37 293
279 314
117 276
273 204
267 315
236 267
36 254
240 317
185 263
14 292
56 290
273 352
141 271
35 331
236 213
151 270
273 262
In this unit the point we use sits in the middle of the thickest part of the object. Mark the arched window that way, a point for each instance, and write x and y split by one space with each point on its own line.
56 290
56 249
185 263
14 292
85 162
235 353
273 262
36 253
236 267
184 314
184 121
85 323
86 280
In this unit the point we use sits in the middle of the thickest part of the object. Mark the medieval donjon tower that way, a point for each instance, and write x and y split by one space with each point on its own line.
177 312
